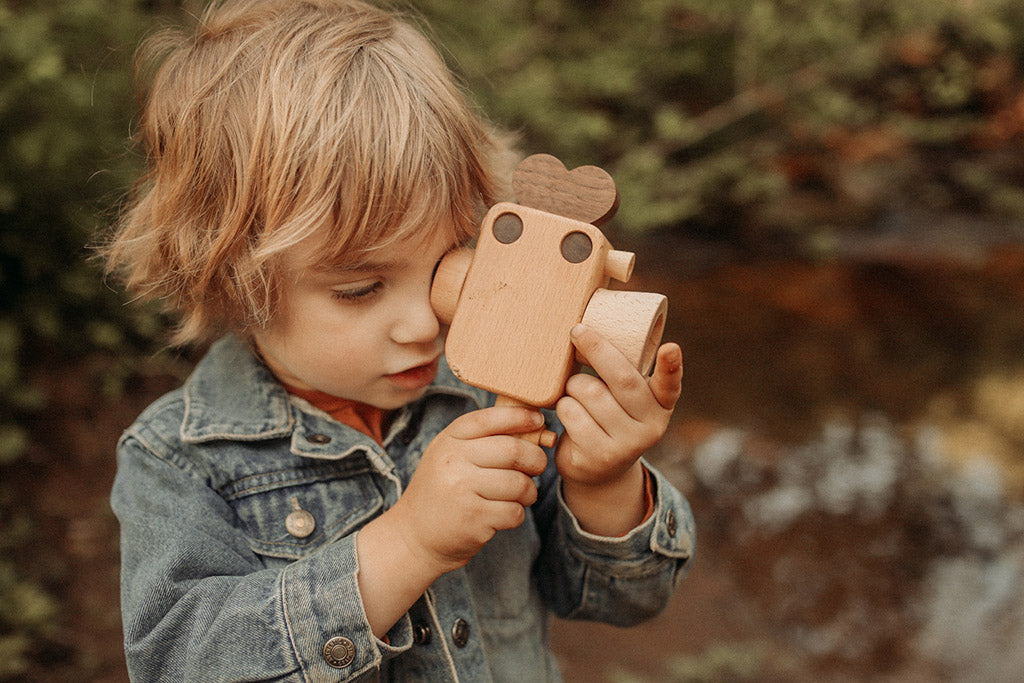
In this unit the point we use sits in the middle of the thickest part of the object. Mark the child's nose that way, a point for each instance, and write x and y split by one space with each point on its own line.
416 323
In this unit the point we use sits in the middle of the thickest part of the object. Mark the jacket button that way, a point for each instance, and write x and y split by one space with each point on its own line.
318 438
670 523
421 634
299 523
339 652
460 632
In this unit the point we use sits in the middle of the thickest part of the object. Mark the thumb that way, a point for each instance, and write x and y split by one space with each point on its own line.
667 381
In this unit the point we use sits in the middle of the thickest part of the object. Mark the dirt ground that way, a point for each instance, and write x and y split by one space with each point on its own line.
774 349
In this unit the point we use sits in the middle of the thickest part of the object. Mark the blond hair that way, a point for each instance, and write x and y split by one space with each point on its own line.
279 119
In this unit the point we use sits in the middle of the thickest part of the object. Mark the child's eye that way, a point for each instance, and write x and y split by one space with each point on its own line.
357 293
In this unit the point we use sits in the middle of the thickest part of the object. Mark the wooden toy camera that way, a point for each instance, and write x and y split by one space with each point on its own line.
540 267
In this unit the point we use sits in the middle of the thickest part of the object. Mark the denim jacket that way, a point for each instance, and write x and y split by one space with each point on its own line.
239 507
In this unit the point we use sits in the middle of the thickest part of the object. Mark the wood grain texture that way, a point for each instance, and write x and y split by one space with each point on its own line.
587 194
510 331
449 279
539 268
632 321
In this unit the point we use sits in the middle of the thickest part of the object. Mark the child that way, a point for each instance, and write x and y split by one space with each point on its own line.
323 500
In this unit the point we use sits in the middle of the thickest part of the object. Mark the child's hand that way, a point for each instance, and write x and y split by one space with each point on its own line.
473 479
610 422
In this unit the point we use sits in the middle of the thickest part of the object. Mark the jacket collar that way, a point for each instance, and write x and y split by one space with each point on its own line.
232 395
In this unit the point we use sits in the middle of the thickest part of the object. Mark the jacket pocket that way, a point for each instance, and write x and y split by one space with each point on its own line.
289 513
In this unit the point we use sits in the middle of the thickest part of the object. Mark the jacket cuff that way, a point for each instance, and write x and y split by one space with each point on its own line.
325 618
667 533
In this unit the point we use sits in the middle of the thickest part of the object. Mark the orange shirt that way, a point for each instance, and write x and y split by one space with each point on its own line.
359 416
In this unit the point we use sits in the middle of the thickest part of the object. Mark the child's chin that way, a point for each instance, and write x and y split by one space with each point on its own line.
396 398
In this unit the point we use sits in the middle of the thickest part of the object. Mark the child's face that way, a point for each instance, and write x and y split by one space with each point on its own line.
367 333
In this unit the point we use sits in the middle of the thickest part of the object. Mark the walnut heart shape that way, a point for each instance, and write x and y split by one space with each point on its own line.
586 193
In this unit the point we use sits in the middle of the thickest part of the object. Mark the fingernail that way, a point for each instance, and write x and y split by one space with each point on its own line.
677 359
577 329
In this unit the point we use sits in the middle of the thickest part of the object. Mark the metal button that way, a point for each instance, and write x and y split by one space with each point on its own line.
339 652
318 438
421 634
299 523
460 632
670 523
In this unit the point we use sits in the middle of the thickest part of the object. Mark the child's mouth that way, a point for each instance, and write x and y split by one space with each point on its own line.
415 378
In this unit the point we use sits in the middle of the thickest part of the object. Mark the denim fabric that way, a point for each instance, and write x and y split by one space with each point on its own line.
215 588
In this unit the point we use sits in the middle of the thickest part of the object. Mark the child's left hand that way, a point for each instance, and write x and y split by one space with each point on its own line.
612 420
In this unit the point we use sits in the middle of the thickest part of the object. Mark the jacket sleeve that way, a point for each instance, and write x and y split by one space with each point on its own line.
622 580
198 604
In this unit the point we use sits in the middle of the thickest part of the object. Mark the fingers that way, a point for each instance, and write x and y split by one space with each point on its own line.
617 416
627 385
473 479
503 514
506 452
506 485
589 402
494 445
631 390
495 420
667 381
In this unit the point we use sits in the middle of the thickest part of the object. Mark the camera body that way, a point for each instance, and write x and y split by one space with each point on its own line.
534 274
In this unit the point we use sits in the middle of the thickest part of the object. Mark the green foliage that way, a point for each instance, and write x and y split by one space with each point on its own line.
26 614
750 118
742 119
723 662
65 109
739 661
65 114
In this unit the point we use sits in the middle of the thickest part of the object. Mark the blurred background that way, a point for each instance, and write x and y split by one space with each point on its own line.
831 194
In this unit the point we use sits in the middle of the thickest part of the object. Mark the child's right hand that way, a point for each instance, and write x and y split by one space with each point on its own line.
474 479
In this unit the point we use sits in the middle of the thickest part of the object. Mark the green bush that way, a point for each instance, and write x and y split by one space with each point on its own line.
26 613
747 119
66 110
65 114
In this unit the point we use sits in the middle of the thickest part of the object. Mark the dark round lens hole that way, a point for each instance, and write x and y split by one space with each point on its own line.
576 247
507 228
